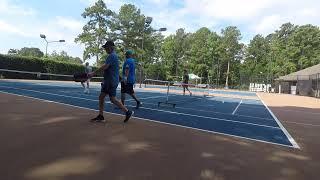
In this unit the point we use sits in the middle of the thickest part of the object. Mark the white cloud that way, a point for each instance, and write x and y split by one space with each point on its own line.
55 29
229 9
69 23
296 12
311 12
170 20
262 16
251 16
6 27
88 2
159 2
11 9
91 2
268 24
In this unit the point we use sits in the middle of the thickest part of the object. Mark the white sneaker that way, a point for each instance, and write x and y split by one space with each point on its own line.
88 91
85 90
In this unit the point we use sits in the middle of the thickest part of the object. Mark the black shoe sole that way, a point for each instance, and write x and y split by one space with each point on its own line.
104 122
96 120
125 121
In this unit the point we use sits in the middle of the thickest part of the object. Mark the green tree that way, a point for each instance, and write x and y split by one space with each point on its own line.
63 56
304 46
232 52
168 55
257 58
33 52
130 26
13 51
96 30
203 53
174 52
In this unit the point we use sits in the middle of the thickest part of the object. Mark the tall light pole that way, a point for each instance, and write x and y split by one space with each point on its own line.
227 78
45 38
147 20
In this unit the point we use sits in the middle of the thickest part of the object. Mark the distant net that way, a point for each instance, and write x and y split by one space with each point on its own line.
177 92
39 80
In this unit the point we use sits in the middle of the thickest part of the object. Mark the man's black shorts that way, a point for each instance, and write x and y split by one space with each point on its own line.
127 88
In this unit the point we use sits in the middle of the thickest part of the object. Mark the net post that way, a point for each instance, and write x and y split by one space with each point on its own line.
167 97
168 92
208 90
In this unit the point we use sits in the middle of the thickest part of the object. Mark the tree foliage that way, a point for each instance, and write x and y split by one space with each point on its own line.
26 51
219 58
96 30
63 56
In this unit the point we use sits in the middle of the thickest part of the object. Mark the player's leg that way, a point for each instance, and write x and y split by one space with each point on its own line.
100 117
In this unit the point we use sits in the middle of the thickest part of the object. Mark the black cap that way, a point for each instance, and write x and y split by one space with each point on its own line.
108 44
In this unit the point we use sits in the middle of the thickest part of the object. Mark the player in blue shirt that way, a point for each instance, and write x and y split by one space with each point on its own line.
110 83
128 78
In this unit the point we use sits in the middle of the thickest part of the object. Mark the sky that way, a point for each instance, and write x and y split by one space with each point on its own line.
22 22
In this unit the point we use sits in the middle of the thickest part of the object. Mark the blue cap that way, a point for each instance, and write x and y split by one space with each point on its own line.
129 52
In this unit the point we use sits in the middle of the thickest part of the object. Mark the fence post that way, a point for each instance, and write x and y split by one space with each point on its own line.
318 85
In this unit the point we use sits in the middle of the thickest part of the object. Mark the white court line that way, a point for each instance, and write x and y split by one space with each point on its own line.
306 112
235 110
171 112
159 122
131 100
216 112
304 124
293 142
256 106
155 97
97 95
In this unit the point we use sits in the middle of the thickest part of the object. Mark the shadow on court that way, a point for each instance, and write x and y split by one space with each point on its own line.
42 140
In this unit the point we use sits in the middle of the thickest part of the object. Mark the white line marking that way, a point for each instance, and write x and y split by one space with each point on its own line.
253 106
217 112
96 95
293 142
306 112
171 112
304 124
144 119
235 110
153 97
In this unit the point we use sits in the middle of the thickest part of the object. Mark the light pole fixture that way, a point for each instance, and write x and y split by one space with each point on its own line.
45 38
162 29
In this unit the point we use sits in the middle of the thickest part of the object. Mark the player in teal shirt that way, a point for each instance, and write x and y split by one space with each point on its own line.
128 78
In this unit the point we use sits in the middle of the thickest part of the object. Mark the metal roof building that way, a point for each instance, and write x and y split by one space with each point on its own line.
301 75
305 82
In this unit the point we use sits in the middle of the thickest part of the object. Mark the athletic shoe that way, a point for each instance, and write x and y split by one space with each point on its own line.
128 115
139 103
99 118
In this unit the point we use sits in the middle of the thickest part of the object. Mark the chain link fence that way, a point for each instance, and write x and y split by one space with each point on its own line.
315 85
304 85
257 83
